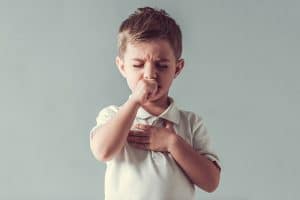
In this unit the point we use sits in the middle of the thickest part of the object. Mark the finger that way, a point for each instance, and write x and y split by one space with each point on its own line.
151 81
138 139
154 91
168 124
146 78
154 87
151 95
140 146
142 126
138 133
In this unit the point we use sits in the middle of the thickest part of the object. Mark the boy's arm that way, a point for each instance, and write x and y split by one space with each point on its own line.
202 171
109 139
197 167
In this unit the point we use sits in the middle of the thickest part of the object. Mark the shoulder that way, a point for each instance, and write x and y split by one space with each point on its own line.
106 112
110 109
190 116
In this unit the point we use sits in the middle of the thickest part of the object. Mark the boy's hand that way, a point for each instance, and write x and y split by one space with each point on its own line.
153 138
144 90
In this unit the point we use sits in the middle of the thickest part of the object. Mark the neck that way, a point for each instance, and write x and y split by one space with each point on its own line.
158 106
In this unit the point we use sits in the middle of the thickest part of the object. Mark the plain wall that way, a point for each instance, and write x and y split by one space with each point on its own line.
57 71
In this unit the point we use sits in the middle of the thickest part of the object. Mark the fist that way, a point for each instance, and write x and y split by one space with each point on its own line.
145 90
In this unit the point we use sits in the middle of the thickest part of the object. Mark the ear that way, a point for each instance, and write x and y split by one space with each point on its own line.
179 67
121 66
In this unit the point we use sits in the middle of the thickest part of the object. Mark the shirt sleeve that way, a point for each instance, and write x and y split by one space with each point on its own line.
103 116
202 141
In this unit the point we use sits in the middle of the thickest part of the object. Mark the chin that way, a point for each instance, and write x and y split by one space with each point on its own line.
159 95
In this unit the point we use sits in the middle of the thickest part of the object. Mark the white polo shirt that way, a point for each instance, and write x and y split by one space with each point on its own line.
136 174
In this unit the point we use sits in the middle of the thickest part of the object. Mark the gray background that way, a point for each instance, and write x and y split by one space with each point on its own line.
57 71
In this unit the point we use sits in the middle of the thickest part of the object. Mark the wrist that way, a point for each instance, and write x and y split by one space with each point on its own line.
173 142
131 101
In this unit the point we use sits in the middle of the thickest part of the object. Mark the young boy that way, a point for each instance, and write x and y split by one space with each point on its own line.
153 150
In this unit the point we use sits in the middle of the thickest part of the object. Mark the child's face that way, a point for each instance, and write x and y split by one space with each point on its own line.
154 59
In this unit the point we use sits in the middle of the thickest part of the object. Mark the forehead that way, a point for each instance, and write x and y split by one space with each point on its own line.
150 50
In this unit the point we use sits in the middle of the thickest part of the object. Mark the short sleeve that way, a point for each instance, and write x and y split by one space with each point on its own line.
103 116
202 141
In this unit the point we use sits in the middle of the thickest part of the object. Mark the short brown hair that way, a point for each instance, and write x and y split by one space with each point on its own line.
147 24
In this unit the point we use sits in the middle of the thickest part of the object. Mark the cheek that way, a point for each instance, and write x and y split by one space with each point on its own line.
168 81
132 82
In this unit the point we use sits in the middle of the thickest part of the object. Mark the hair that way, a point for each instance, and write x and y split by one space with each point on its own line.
147 24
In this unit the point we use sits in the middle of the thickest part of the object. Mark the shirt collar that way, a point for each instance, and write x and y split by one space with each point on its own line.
171 113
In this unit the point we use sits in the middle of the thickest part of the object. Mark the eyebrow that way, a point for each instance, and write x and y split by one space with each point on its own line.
160 60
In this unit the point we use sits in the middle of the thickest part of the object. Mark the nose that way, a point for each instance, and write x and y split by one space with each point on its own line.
150 72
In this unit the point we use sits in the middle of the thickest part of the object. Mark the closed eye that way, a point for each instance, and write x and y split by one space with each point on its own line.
162 66
138 66
157 65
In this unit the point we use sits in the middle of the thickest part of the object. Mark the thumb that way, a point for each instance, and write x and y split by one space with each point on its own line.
168 124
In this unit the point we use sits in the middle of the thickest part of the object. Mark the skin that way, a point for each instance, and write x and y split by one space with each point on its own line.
150 68
148 76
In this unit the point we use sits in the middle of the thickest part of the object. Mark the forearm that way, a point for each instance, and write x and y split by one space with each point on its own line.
199 169
109 139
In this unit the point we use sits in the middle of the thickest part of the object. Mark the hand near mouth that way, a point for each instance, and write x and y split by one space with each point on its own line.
145 90
154 86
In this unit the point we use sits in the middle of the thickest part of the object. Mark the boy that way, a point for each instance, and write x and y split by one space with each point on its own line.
153 150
